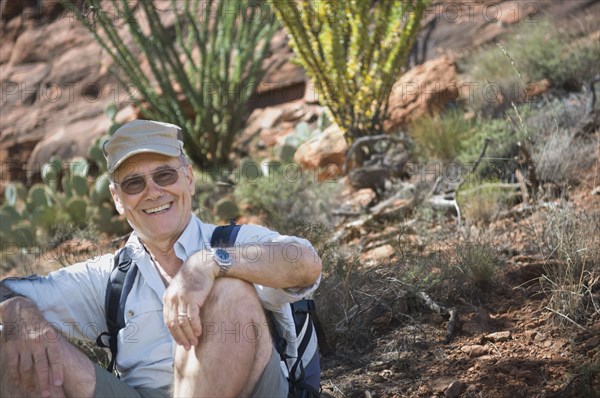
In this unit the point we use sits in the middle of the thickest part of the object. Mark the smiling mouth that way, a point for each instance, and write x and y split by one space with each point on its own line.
159 209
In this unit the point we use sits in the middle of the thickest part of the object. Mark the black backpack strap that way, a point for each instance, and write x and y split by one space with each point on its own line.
118 287
302 311
225 235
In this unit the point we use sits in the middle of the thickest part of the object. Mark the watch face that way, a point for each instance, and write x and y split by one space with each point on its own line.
221 256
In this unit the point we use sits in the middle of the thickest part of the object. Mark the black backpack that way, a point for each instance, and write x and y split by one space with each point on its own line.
304 369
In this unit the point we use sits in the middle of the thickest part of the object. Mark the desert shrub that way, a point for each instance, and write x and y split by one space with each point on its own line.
354 51
571 284
477 263
442 136
288 198
557 153
501 133
559 156
556 113
587 383
203 65
532 52
356 305
426 272
480 202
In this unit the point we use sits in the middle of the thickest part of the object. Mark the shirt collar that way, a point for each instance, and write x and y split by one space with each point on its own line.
190 240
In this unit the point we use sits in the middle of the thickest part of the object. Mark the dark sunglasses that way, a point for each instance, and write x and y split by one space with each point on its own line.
163 177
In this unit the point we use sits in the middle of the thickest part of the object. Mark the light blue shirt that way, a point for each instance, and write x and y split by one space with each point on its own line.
73 300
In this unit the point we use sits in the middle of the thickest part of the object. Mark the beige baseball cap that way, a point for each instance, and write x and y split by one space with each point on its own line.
142 136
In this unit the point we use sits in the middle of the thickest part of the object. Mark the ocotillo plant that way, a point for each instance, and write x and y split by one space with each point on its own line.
354 50
201 67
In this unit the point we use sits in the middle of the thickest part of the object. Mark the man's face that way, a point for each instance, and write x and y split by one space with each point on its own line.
157 213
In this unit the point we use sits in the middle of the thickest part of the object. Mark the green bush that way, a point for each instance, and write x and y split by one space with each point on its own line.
289 199
442 136
534 51
203 68
354 51
480 201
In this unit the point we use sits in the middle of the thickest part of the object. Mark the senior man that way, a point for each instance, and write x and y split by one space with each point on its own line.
179 291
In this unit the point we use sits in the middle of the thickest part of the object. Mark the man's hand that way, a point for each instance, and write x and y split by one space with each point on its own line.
34 357
185 296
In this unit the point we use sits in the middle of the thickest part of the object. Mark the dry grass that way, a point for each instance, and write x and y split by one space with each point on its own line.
477 262
560 156
441 137
573 285
481 203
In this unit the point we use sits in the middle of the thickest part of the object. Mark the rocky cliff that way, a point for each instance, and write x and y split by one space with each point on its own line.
56 81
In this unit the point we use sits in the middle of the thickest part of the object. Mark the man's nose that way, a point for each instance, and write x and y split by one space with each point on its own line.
153 190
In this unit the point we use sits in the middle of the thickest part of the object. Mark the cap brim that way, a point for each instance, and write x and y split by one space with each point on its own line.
159 149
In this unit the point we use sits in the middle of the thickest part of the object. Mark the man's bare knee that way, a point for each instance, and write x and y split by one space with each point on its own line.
231 290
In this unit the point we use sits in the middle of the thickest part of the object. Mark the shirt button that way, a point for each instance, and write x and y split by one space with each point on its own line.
130 313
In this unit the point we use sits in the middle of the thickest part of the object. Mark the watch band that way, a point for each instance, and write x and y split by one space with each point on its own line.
223 260
223 269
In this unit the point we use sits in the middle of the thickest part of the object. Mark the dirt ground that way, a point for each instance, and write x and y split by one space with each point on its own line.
505 345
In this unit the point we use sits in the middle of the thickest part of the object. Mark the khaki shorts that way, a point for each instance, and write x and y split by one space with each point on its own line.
272 384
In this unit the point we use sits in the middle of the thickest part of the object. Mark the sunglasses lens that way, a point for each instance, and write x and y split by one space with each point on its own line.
166 177
133 185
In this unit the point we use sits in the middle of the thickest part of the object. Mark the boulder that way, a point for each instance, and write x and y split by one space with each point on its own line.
74 65
424 88
454 389
498 337
69 141
29 47
324 152
474 350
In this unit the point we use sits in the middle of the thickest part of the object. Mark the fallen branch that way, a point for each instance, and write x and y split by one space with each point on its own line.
566 317
475 165
364 140
432 305
440 203
452 323
451 313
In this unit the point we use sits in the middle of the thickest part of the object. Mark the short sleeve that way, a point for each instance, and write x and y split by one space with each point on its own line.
71 298
274 298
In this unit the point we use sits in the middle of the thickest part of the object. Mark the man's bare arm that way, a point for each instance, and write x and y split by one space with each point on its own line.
277 265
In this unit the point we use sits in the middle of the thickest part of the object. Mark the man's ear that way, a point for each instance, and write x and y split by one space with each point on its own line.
189 175
116 199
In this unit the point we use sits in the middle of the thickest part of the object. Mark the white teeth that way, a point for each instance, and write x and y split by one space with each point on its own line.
157 209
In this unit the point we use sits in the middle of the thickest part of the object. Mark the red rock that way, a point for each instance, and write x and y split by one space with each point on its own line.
424 88
30 47
474 350
325 151
75 64
69 141
454 389
31 74
498 336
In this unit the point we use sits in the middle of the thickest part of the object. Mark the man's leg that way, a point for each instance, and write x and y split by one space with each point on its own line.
234 348
78 370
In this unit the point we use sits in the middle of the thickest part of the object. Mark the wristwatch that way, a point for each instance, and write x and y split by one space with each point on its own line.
223 260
